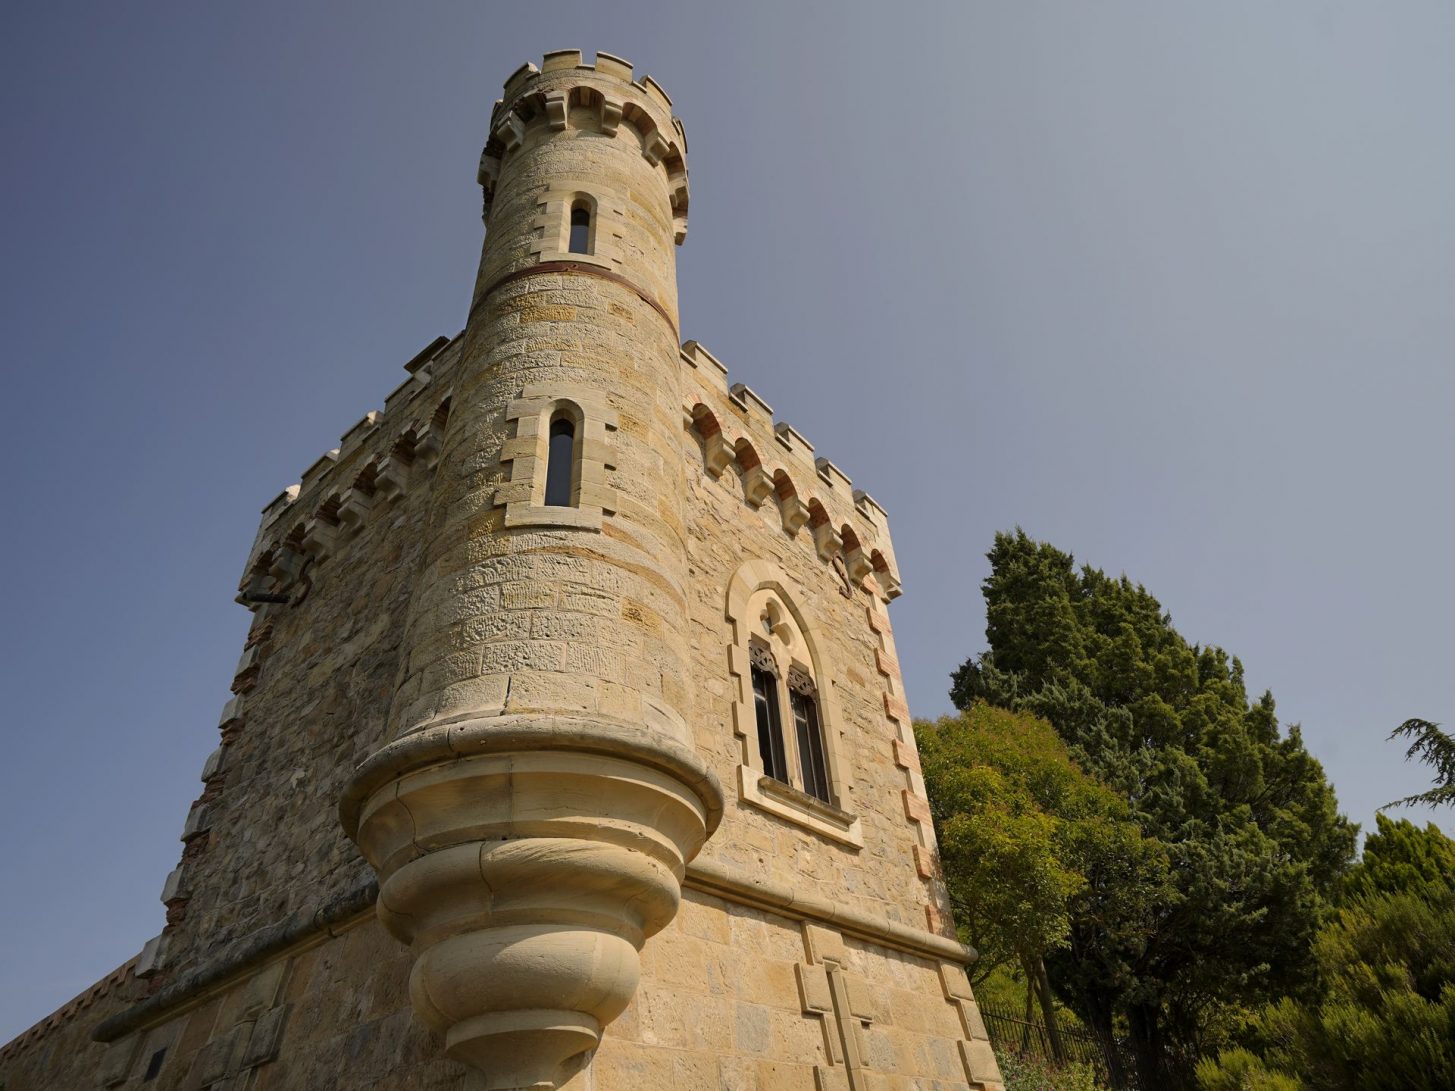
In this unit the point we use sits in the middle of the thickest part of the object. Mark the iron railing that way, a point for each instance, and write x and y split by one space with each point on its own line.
1012 1033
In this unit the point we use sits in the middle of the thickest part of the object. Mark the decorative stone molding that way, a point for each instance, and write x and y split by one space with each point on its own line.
756 587
976 1054
847 527
527 451
554 224
526 860
617 106
379 459
906 757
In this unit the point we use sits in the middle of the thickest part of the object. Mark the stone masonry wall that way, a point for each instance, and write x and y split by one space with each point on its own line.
336 1014
314 684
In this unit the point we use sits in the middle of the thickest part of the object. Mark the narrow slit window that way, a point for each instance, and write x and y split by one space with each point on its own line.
770 726
580 228
560 463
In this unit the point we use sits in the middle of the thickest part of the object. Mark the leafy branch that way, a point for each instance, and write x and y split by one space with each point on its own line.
1436 749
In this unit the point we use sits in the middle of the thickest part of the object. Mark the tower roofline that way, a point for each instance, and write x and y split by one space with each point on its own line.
563 81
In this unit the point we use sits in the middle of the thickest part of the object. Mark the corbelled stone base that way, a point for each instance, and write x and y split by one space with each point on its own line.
526 860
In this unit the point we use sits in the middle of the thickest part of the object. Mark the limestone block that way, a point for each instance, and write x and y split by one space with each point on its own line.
954 982
861 999
813 988
391 478
231 712
791 440
757 486
359 432
320 538
858 564
353 509
172 889
709 367
261 991
267 1037
834 477
751 403
117 1062
794 512
610 114
427 448
216 1060
718 453
972 1022
152 955
199 821
247 662
827 541
285 566
556 106
213 765
315 473
979 1060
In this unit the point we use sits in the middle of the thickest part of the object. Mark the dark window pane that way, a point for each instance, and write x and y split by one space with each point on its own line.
810 746
559 463
580 231
770 730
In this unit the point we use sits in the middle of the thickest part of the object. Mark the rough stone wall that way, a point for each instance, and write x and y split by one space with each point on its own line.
332 1015
312 691
57 1052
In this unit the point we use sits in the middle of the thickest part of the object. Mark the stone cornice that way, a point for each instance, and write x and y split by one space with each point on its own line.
355 907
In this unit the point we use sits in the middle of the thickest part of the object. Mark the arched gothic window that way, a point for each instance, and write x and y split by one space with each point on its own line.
783 684
794 764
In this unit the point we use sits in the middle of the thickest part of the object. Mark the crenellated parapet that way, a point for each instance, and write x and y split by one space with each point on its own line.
383 456
564 92
816 501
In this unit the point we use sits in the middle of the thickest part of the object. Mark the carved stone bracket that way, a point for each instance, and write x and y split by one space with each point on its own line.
526 860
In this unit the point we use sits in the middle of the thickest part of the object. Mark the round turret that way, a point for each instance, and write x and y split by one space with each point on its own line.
532 820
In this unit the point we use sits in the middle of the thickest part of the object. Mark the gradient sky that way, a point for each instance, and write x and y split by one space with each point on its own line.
1166 285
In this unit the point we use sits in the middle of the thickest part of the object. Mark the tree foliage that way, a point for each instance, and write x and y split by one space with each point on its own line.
1387 1017
1400 857
1386 964
1437 750
1246 819
1024 834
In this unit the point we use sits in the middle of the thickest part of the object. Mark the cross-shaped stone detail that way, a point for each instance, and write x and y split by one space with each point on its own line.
843 1001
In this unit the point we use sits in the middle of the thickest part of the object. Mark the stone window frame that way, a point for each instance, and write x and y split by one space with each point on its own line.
553 226
758 586
528 452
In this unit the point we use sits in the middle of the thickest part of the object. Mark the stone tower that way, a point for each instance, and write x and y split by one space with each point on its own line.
568 748
531 820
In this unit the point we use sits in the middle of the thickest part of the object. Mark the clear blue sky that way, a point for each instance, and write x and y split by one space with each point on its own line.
1167 285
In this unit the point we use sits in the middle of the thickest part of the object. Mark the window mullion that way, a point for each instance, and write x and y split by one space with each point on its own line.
788 728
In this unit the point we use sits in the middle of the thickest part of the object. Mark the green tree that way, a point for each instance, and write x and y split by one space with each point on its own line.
1400 857
1387 1017
1028 840
1247 820
1437 750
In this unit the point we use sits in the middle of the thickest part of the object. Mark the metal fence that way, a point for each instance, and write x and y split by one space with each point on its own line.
1012 1033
